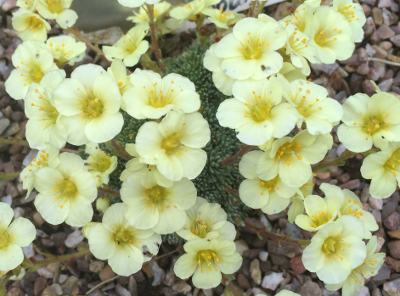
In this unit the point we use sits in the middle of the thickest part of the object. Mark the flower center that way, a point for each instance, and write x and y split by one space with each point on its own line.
66 190
259 109
348 12
321 219
287 151
200 228
4 239
129 43
34 23
305 107
393 163
49 113
56 6
375 124
32 72
157 197
297 44
92 106
253 47
352 207
324 38
207 259
269 185
99 162
124 235
158 99
333 246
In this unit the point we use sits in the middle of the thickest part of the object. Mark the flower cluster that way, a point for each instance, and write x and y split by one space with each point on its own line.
283 120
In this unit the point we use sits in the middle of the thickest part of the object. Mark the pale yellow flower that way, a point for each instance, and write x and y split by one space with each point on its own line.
100 161
174 145
46 157
44 127
355 15
257 112
129 47
66 192
370 121
159 10
89 103
66 49
250 50
205 260
33 61
191 9
150 205
335 250
222 19
30 26
58 10
153 97
206 220
120 243
13 236
136 3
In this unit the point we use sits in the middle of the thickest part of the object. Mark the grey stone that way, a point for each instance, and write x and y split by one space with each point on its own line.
387 17
4 124
74 238
272 280
182 287
392 288
363 292
325 68
11 130
292 230
396 40
386 85
121 291
157 272
385 32
310 289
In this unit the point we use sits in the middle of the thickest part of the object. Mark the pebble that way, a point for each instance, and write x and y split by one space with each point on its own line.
367 9
255 271
296 264
4 124
257 292
29 157
375 203
325 292
392 288
353 184
8 4
363 292
263 256
170 278
40 285
266 222
243 282
392 222
387 17
394 233
106 273
11 130
393 263
45 272
121 291
385 32
58 239
386 85
272 280
378 216
241 246
396 40
28 251
7 199
15 291
182 287
394 248
385 3
73 239
377 16
383 274
326 68
390 206
310 289
157 272
96 266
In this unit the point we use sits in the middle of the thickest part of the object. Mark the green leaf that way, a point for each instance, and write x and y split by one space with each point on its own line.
3 292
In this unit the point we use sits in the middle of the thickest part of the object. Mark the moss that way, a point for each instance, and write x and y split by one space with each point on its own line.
214 180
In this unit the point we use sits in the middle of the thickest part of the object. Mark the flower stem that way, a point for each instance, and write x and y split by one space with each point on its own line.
154 37
4 176
255 226
149 64
76 33
252 8
14 141
261 7
41 263
229 160
105 191
336 162
119 150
